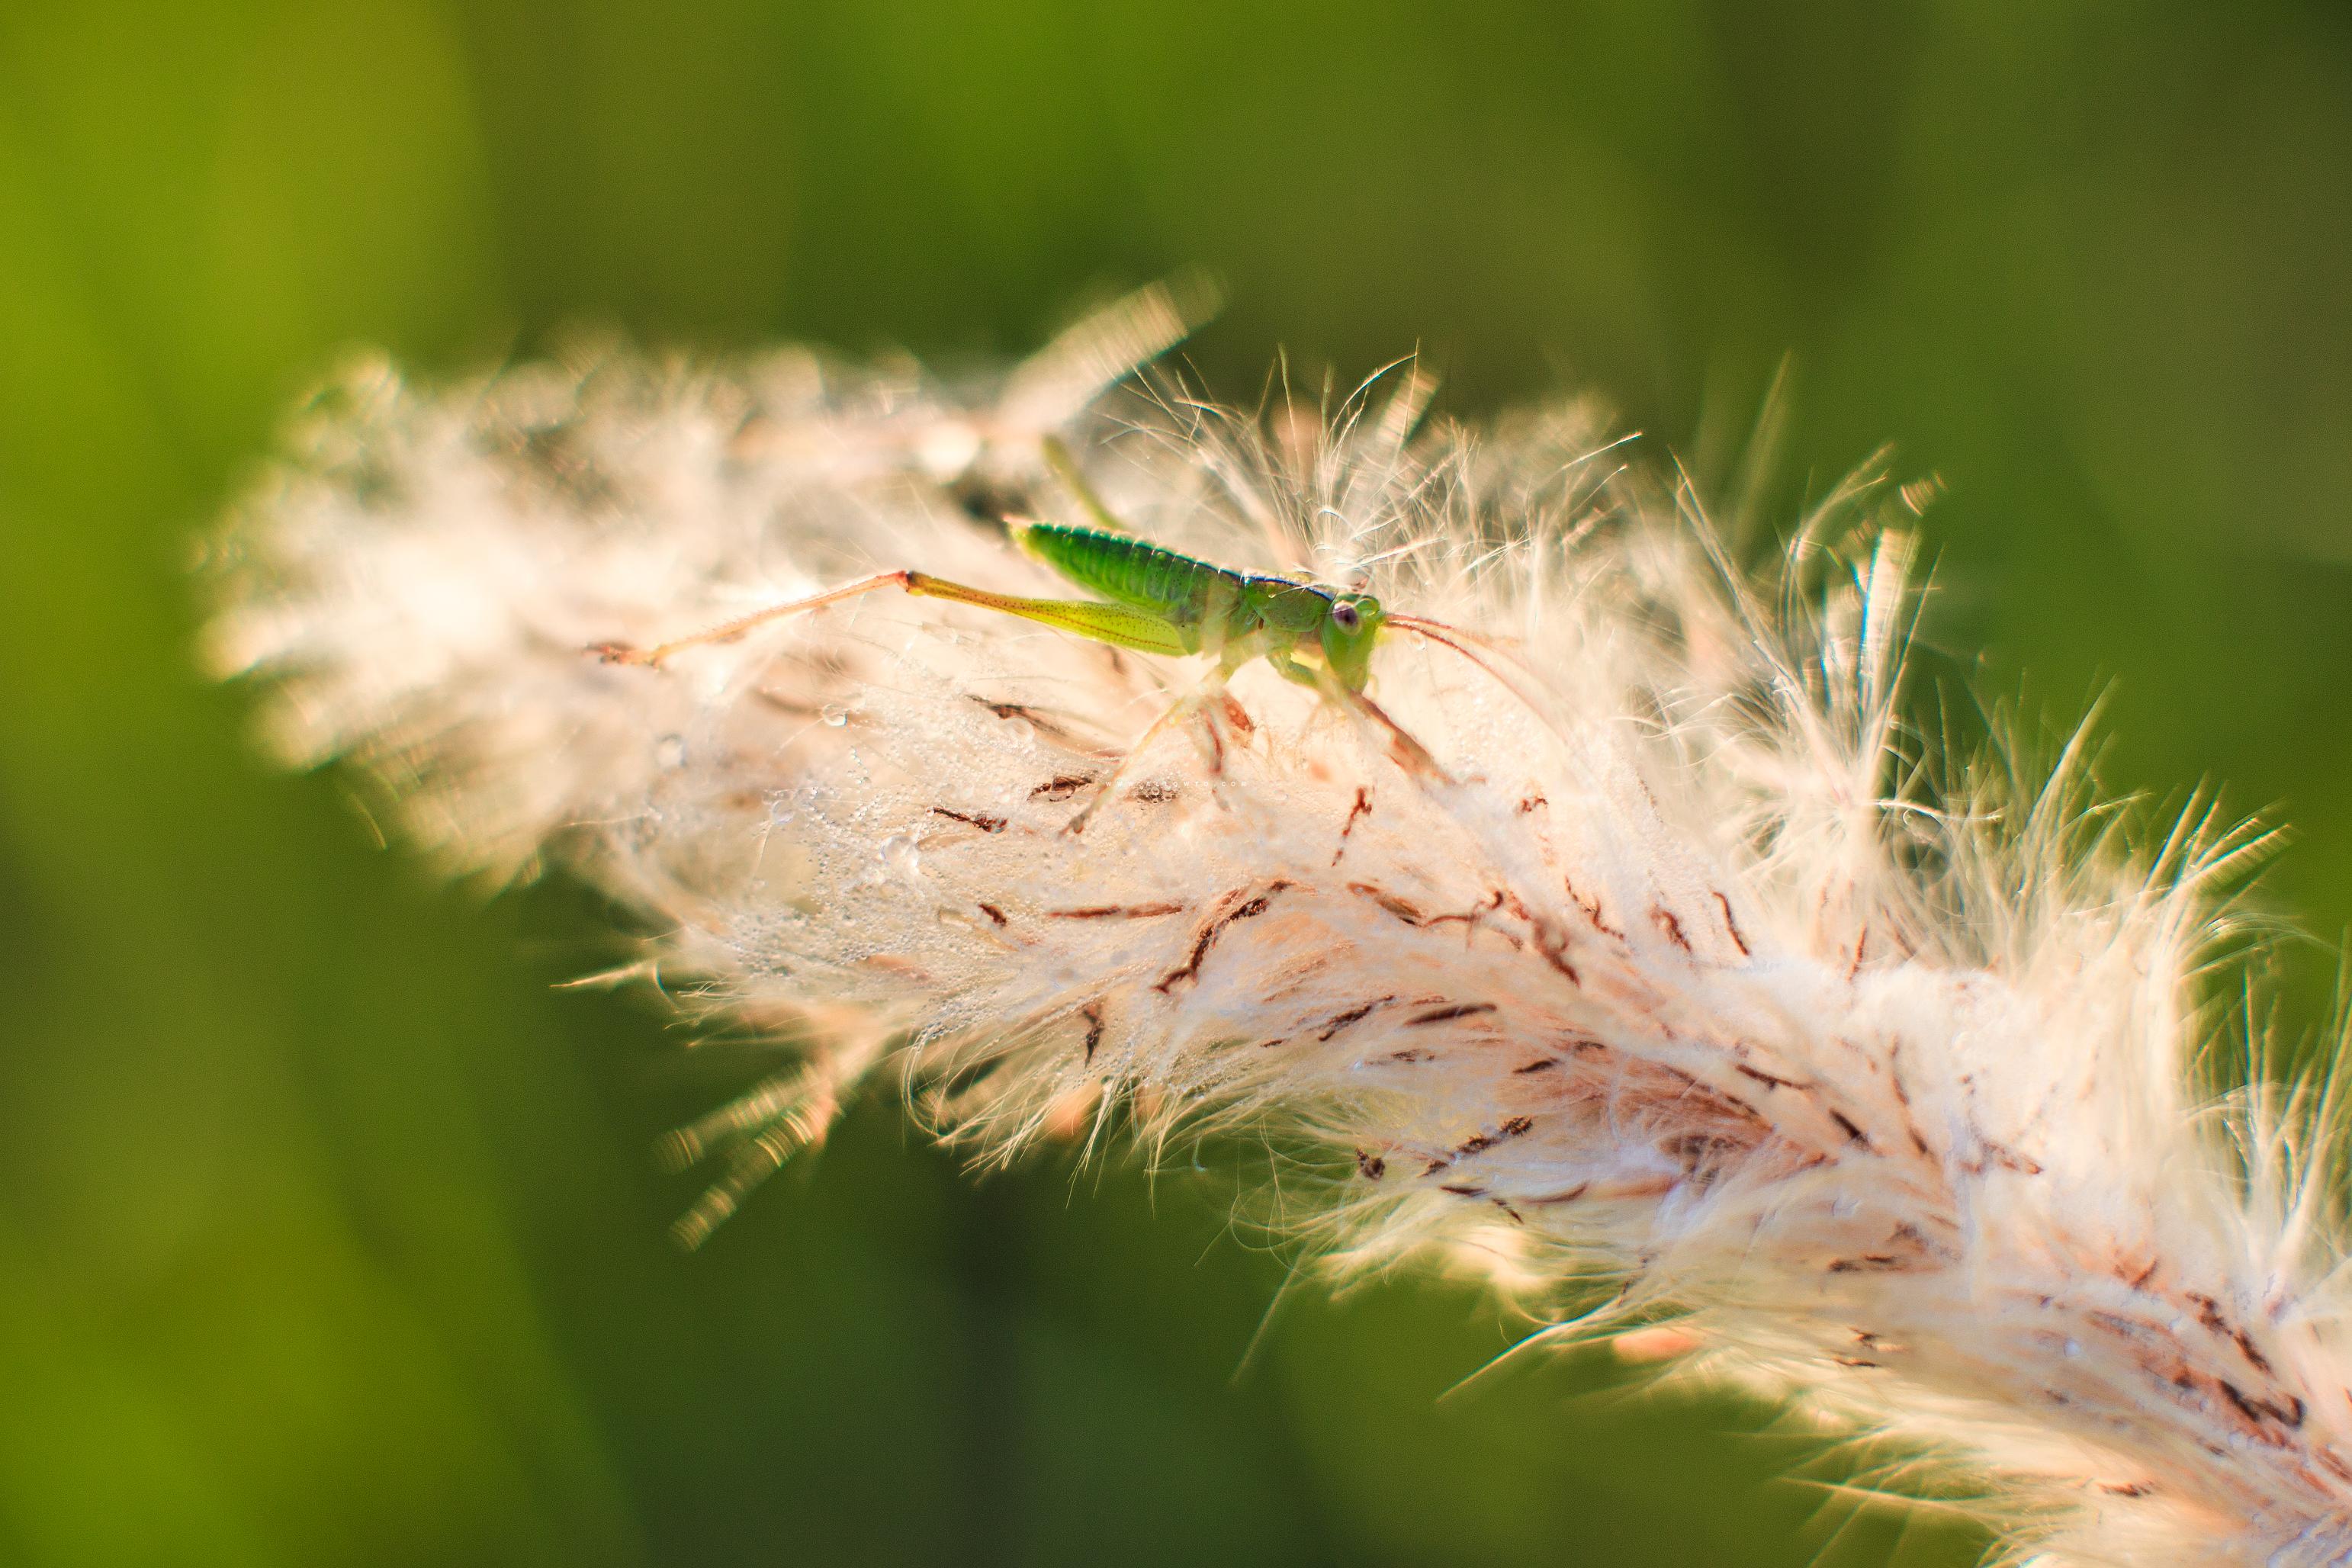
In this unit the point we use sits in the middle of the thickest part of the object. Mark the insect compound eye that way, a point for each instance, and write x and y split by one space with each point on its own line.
1345 616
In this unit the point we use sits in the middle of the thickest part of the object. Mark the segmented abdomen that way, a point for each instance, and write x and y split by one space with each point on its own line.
1129 571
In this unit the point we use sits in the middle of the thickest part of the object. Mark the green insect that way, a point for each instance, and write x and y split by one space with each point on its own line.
1154 600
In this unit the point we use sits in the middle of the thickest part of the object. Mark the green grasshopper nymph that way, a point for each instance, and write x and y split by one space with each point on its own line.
1154 600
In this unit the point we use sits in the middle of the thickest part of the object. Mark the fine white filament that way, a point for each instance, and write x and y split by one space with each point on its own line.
1683 985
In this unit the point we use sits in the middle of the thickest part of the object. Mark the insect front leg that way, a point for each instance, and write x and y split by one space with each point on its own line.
1403 749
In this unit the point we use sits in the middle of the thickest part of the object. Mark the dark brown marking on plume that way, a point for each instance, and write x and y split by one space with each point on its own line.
1472 916
1093 1014
1570 1196
1531 803
1671 924
1769 1081
1249 909
1362 808
1372 1167
2132 1330
1694 1084
992 913
2254 1358
2257 1411
1352 1016
2006 1158
1903 1097
1061 786
1702 1155
1869 1263
1478 1143
1732 926
1447 1015
1116 912
1035 720
1591 908
1853 1134
1517 1126
1553 943
1411 1056
980 820
1544 1064
1402 909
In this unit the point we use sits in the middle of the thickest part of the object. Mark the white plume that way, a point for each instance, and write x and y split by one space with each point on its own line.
1686 995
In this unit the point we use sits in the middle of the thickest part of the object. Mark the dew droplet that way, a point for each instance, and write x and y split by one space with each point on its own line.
1020 730
903 858
670 751
834 714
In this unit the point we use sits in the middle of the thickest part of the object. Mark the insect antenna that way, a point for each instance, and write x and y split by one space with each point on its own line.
1467 644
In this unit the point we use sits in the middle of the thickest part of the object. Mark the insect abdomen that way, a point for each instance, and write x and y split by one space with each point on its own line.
1130 571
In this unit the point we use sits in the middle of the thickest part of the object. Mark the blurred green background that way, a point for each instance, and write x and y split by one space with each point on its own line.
327 1229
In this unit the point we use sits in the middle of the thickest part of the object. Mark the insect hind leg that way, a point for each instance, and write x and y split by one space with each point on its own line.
625 653
1405 750
1121 625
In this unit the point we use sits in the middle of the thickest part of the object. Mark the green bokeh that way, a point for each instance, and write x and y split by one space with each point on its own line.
326 1230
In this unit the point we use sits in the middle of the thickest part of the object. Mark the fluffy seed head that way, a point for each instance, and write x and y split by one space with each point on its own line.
1686 993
